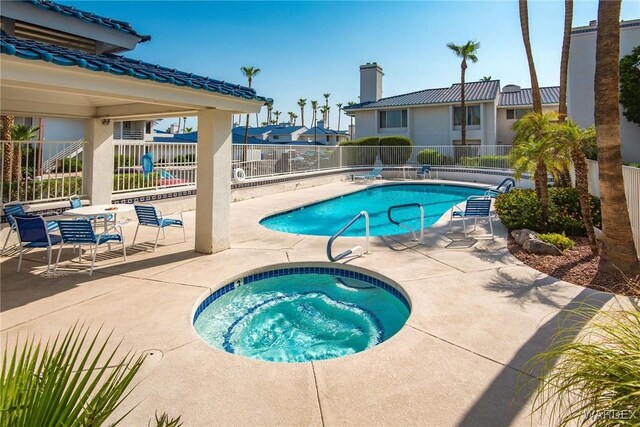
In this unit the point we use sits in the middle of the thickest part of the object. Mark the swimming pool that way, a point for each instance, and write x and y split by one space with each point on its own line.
299 314
327 217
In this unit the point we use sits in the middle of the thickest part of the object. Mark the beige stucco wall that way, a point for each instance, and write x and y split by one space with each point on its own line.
365 122
580 91
430 125
503 126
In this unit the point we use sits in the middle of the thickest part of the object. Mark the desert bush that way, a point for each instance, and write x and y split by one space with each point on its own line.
560 241
429 156
395 150
520 208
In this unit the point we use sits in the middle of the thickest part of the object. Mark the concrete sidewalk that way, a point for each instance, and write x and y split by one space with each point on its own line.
478 315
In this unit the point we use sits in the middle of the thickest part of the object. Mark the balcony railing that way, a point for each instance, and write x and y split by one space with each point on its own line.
39 171
128 134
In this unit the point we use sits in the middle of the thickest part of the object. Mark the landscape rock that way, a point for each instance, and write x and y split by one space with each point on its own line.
537 246
598 233
523 235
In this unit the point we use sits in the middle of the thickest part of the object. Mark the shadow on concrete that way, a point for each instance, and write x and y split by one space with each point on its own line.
516 375
33 283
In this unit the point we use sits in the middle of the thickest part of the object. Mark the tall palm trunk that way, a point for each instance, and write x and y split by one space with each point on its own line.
302 115
542 191
582 185
7 156
463 112
339 120
619 249
535 88
564 177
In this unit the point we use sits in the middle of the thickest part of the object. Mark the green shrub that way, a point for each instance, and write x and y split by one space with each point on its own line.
560 241
520 208
360 157
133 181
399 154
69 165
429 156
44 189
121 161
633 165
489 161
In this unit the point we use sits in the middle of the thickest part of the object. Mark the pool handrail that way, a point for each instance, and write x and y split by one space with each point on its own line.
355 248
497 191
408 205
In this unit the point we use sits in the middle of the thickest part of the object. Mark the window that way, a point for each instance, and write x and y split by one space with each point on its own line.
147 127
328 138
473 116
393 119
275 136
516 114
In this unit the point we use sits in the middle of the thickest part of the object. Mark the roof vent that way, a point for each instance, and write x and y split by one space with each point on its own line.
511 89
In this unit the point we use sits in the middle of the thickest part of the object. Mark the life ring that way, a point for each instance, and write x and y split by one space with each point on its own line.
239 174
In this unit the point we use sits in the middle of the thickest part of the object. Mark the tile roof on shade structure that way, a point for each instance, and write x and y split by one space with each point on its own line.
549 95
121 66
474 91
88 17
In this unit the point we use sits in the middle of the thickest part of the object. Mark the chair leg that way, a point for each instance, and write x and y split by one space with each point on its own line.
6 240
184 233
124 248
157 235
20 259
164 235
135 235
464 226
48 258
58 258
93 259
491 227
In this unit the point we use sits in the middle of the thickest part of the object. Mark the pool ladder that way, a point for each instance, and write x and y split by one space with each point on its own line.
398 223
355 249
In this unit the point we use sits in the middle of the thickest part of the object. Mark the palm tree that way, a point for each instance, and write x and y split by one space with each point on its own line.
573 139
7 156
314 109
327 108
534 151
339 105
277 114
21 133
564 59
486 79
188 130
291 114
269 111
467 52
249 73
264 123
295 117
184 124
302 102
535 88
323 111
619 249
325 116
351 104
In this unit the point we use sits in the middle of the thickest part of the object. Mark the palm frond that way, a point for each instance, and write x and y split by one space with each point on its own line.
73 380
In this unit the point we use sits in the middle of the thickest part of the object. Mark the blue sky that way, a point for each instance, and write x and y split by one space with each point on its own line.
305 48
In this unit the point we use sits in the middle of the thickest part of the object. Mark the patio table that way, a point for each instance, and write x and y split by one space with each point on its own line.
97 210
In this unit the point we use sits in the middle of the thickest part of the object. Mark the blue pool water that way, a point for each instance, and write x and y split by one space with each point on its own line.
302 317
327 217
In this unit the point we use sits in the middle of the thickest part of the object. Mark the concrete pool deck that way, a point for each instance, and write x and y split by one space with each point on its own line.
478 315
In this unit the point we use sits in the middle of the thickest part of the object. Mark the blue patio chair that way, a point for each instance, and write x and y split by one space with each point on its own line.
504 187
76 202
424 171
475 208
149 216
80 232
33 233
374 174
14 209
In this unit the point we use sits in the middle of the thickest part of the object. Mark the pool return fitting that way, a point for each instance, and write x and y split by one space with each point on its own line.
356 249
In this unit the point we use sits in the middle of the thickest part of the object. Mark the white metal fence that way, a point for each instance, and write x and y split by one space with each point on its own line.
631 177
174 165
267 160
41 170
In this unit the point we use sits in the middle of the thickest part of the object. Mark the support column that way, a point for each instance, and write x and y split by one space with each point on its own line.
213 199
97 167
